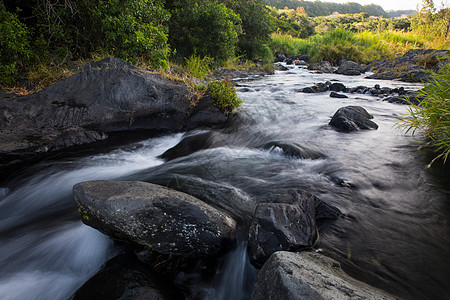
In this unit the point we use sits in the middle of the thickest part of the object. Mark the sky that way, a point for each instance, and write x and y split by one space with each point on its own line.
391 4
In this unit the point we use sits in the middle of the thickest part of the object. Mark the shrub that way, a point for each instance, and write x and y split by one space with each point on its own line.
432 115
15 48
224 95
198 67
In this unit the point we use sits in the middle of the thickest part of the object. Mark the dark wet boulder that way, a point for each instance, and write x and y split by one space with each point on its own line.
322 67
286 222
359 89
337 87
290 61
309 275
280 57
193 143
350 68
337 95
388 75
165 220
205 114
124 277
352 118
317 88
110 95
293 150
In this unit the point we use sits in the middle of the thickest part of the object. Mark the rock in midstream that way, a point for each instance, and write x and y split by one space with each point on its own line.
167 221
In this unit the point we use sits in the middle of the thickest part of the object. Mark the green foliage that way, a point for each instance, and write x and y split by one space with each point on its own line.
432 115
198 67
15 47
224 95
133 28
204 28
256 27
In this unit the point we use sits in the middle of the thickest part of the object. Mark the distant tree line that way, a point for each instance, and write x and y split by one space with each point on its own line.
318 8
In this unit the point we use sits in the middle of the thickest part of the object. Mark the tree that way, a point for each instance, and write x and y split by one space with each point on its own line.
204 28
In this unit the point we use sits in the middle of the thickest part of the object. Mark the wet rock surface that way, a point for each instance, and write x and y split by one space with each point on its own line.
293 149
352 118
309 275
107 96
124 277
167 221
286 222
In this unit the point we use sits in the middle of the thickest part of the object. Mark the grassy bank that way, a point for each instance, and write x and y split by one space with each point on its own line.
361 47
431 117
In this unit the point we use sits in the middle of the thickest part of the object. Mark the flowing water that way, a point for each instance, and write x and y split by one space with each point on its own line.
394 232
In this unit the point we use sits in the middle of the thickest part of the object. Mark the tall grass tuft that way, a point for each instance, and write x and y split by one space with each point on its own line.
432 115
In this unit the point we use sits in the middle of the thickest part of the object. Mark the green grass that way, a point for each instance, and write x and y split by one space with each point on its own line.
361 47
431 117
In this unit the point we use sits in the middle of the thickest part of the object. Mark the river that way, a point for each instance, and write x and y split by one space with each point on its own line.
394 232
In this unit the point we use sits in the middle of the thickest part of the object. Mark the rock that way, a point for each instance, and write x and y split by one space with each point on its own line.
359 89
317 88
337 87
123 277
280 67
234 202
167 221
411 67
323 67
205 114
294 150
309 275
349 68
280 57
388 75
336 95
279 226
299 62
352 118
106 96
290 61
286 222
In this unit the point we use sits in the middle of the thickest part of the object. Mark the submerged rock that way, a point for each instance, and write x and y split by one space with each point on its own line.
286 222
167 221
337 95
309 275
294 150
352 118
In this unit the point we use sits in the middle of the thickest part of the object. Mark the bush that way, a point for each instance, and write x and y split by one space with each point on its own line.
132 29
432 115
15 48
203 28
224 95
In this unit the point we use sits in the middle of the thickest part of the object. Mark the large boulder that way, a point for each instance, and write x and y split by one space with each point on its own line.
286 222
352 118
350 68
309 275
110 95
167 221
